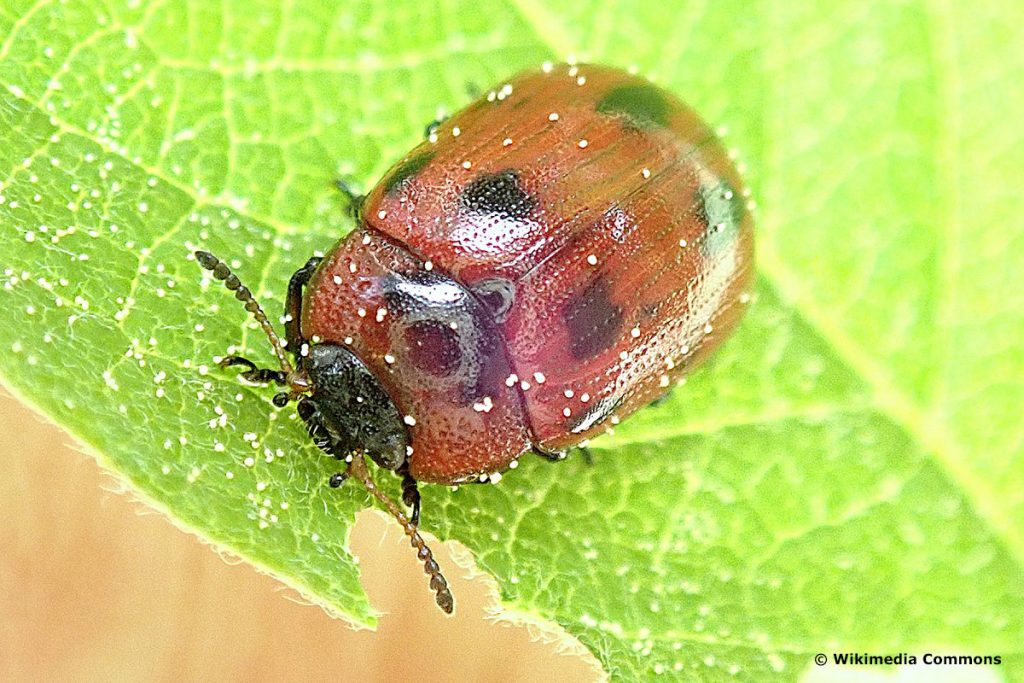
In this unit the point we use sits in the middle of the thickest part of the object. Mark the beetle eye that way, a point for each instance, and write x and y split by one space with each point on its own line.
306 408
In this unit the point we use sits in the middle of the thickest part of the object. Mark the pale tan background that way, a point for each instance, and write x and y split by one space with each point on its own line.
93 587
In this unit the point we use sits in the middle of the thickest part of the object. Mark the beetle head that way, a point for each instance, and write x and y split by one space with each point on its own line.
352 406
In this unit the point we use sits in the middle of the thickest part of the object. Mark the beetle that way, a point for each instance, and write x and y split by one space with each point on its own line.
548 261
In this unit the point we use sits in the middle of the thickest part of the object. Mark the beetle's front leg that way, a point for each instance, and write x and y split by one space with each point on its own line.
253 373
355 200
548 454
293 307
556 456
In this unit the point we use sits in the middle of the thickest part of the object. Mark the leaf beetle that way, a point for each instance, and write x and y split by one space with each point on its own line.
548 261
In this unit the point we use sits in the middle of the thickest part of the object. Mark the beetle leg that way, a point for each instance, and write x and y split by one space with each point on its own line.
355 201
432 127
293 306
410 492
556 456
661 399
253 373
547 454
472 91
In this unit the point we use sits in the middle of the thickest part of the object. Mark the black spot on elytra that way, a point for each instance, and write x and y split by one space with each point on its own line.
594 322
406 170
433 347
643 105
498 194
497 295
720 208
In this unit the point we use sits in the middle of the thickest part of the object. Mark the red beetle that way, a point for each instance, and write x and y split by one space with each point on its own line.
548 261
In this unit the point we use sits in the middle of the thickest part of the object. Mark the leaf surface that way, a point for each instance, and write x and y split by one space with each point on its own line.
845 474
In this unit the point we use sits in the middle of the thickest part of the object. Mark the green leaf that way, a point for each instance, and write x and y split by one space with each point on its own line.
845 475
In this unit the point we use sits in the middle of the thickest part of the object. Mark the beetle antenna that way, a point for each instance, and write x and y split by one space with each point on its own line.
221 271
357 469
